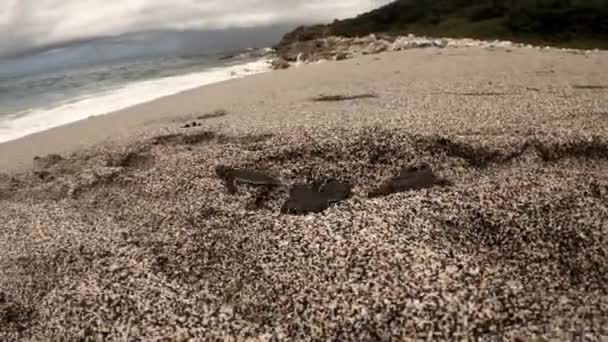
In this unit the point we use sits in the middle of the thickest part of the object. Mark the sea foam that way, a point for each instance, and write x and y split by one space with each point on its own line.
20 124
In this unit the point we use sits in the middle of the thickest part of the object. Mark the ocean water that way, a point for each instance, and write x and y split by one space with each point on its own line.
57 87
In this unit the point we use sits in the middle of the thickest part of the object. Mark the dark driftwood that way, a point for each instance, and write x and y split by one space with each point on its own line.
589 86
334 98
216 114
487 93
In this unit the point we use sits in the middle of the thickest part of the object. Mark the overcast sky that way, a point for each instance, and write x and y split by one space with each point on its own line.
28 24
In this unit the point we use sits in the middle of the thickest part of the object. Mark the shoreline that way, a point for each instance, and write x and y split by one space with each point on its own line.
127 124
102 101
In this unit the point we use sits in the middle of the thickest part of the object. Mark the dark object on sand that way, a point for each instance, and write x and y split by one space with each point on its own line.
331 98
42 164
590 86
193 124
480 93
183 139
315 197
414 177
232 177
218 113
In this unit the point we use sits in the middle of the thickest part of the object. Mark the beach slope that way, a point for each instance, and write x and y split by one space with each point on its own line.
129 233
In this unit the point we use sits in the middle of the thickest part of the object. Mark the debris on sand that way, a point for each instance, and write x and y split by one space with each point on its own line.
335 98
192 125
216 114
590 86
479 93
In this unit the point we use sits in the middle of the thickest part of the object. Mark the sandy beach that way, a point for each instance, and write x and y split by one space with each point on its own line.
130 234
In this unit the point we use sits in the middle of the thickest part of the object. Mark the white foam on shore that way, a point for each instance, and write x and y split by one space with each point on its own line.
24 123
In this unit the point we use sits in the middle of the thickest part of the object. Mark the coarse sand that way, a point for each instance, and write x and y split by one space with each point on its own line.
130 235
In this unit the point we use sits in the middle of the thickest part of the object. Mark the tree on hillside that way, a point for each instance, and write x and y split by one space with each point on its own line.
537 19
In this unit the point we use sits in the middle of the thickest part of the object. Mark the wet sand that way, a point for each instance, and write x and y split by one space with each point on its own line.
131 234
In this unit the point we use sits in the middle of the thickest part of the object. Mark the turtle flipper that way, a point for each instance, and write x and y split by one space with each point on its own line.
231 186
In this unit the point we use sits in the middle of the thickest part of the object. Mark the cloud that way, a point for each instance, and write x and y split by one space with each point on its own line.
32 24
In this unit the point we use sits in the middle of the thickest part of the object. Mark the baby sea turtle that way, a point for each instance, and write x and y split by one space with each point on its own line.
413 169
315 197
233 177
303 199
410 178
335 191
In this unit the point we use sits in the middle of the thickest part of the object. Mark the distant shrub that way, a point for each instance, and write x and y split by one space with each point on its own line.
486 12
564 21
542 20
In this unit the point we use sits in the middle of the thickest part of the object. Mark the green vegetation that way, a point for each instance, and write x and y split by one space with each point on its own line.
575 23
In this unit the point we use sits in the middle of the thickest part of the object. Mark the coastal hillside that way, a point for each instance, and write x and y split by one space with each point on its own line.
573 23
